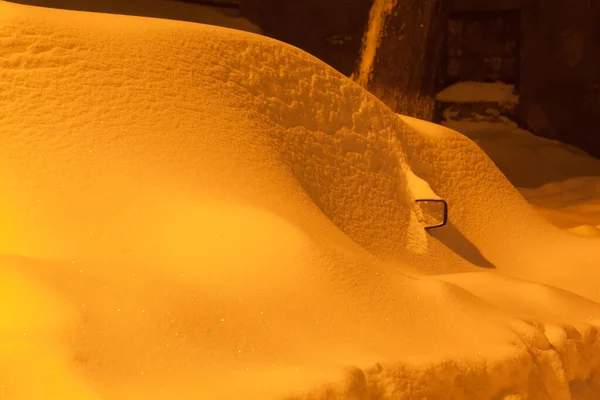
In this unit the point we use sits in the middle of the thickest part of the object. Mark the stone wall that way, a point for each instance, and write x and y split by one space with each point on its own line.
331 30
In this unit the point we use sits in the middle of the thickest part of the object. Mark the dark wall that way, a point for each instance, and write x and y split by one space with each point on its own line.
485 5
560 70
483 46
331 30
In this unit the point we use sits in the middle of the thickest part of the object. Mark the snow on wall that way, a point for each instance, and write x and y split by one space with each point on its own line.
195 212
371 39
473 92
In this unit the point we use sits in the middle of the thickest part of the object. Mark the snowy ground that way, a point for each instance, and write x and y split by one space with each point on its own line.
193 212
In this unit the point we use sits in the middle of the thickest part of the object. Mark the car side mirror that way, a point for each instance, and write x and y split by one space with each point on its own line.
434 212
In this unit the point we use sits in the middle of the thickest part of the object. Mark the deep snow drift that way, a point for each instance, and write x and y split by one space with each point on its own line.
194 212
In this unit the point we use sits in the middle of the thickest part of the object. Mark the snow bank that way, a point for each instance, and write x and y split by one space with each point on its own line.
476 92
195 212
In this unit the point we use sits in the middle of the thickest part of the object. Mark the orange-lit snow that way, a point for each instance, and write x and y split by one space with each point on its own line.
573 204
194 212
560 181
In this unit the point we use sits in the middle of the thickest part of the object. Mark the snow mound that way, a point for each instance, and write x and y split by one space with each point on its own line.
479 92
189 211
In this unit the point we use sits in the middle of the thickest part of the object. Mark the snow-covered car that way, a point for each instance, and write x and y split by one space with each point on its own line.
192 212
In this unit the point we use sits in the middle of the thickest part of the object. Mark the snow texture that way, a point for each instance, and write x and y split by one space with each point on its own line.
191 212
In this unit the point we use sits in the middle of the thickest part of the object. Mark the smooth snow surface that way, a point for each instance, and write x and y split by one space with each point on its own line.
476 92
573 204
192 212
